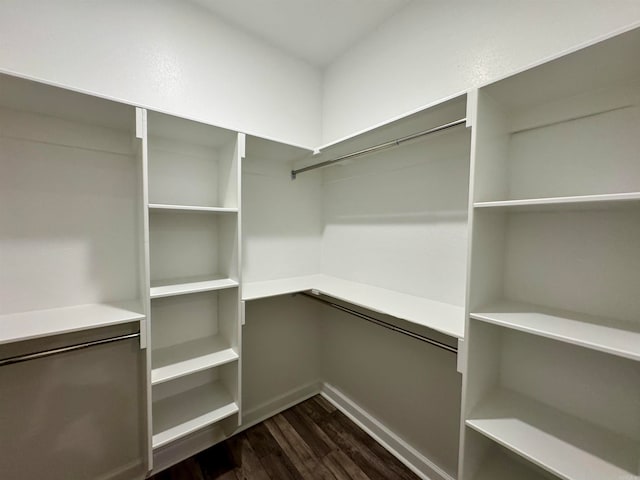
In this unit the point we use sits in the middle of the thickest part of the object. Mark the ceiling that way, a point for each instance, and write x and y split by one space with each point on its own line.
317 31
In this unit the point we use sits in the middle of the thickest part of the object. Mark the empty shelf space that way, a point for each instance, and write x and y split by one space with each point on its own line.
562 444
56 321
177 416
602 334
612 200
443 317
183 286
191 208
501 467
185 358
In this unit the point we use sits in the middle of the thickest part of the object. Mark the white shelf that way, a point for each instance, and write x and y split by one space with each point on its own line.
190 357
443 317
191 208
501 467
612 200
184 286
17 327
177 416
562 444
598 333
273 288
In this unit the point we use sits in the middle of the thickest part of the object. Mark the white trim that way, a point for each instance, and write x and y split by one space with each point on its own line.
185 447
409 456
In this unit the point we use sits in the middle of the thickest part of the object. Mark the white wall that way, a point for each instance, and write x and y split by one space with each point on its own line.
430 50
169 55
411 388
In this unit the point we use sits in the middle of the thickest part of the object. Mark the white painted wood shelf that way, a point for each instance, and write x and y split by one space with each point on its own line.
190 208
184 286
273 288
190 357
502 467
17 327
177 416
562 444
578 202
443 317
598 333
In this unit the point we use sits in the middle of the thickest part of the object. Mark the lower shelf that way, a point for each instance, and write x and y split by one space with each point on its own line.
179 415
501 467
566 446
190 357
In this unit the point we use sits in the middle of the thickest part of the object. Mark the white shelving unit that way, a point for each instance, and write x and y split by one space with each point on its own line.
553 339
71 271
194 249
99 231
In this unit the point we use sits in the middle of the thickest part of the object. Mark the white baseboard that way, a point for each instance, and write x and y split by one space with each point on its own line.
279 404
181 449
414 460
409 456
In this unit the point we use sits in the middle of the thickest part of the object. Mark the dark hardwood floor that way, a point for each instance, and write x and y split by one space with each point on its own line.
310 440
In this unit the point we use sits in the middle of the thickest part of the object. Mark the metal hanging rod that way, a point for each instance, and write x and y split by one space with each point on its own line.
377 148
382 323
70 348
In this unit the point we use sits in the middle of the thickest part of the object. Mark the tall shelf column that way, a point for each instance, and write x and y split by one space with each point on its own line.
552 377
192 203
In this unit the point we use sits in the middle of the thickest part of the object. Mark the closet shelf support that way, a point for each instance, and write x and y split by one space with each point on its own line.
380 147
382 323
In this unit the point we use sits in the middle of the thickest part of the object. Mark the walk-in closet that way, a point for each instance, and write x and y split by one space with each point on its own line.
446 292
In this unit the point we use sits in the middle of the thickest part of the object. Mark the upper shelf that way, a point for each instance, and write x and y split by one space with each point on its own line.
582 202
17 327
431 116
442 317
599 65
184 286
191 208
605 335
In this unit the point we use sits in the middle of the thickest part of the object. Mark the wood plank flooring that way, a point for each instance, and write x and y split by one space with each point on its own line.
312 440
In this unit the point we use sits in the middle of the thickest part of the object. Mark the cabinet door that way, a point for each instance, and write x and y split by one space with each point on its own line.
75 415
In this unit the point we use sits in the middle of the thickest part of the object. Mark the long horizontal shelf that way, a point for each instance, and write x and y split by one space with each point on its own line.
184 286
502 467
190 357
177 416
443 317
598 333
17 327
273 288
585 202
191 208
566 446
